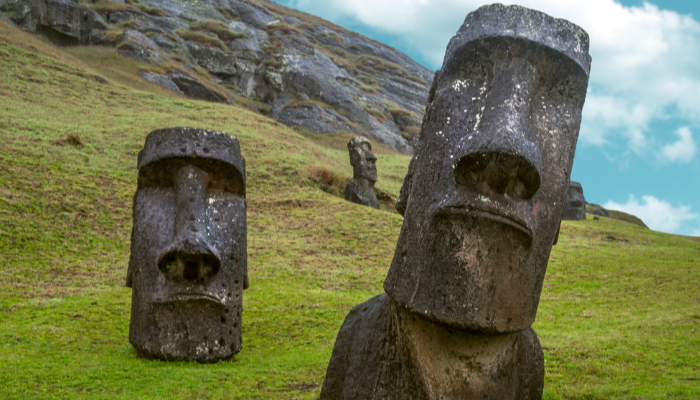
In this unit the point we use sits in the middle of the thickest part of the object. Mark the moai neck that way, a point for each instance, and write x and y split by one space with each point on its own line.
364 183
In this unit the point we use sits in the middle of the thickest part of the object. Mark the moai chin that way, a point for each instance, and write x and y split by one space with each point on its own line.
575 206
188 264
482 203
360 189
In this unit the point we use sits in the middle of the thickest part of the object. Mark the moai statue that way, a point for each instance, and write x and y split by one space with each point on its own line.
188 265
575 207
360 189
482 203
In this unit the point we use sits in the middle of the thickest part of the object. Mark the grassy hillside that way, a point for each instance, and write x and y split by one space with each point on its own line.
619 318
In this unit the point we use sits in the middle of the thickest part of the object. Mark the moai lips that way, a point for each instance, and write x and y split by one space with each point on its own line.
486 189
482 202
360 189
188 264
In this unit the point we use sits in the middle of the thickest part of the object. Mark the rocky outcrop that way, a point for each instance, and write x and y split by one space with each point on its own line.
318 77
62 21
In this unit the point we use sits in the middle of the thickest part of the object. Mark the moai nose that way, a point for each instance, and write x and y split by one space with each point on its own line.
190 256
497 157
498 173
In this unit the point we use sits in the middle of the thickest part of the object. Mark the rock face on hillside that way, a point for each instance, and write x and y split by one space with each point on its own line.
313 74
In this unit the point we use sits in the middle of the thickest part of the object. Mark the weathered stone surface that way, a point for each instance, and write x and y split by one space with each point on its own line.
161 80
252 15
575 207
192 87
127 15
314 118
188 264
262 64
360 189
482 203
62 21
215 61
134 44
380 346
319 78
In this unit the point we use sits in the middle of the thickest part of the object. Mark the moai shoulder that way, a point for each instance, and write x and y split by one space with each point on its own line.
188 264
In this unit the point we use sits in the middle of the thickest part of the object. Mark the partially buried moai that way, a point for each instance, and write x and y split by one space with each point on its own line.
575 207
482 202
360 189
188 264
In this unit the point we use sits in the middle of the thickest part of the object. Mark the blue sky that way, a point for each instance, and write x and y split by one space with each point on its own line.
638 146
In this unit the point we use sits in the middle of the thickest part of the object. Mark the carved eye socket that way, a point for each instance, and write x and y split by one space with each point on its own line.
219 176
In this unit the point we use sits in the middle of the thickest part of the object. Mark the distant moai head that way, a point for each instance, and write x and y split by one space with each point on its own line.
575 207
485 190
361 158
188 264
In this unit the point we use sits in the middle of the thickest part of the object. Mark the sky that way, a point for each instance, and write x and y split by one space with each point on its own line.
638 146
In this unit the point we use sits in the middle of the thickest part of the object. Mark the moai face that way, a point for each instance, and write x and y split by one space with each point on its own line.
575 207
362 160
188 264
485 191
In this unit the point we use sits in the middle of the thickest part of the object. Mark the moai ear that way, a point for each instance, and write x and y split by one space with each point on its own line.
556 236
402 201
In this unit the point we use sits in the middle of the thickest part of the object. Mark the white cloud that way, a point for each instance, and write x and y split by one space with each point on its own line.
683 150
658 215
646 61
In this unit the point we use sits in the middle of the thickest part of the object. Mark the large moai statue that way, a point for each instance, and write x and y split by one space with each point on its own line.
360 189
188 264
482 203
575 207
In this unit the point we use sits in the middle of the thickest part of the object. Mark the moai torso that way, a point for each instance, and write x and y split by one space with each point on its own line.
360 189
482 203
575 207
188 264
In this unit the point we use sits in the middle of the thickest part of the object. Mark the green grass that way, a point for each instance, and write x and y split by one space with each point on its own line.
617 321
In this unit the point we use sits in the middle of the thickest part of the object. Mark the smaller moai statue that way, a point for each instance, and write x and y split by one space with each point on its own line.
575 207
360 189
188 264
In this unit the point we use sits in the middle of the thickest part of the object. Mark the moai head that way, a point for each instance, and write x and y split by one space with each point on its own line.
361 158
188 264
485 190
575 207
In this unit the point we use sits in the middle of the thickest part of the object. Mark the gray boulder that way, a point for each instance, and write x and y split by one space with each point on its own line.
134 44
252 15
191 87
62 21
314 118
127 15
214 60
318 77
596 209
161 80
